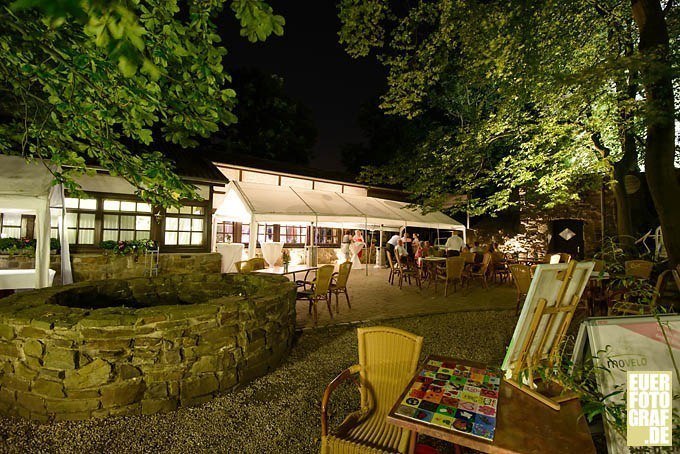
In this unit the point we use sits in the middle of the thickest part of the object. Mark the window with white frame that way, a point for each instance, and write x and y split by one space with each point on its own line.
294 234
265 233
10 225
80 220
185 226
125 220
245 233
327 236
224 232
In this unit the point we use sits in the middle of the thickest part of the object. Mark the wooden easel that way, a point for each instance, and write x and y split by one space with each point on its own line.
548 393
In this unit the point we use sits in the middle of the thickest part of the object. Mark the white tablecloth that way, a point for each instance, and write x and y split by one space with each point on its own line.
231 253
271 251
20 279
355 248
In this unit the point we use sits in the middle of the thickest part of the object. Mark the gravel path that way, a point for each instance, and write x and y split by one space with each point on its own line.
276 413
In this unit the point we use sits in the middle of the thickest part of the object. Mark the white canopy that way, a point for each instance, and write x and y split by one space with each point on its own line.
27 188
259 203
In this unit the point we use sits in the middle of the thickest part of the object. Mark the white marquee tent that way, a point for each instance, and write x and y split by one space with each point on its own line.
253 203
28 188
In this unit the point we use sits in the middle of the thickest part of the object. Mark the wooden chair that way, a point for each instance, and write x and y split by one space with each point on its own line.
451 274
388 359
564 257
407 271
625 307
319 290
642 269
257 263
499 265
243 266
521 274
394 269
339 284
480 272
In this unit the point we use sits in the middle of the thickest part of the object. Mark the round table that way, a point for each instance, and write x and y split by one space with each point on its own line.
271 251
231 253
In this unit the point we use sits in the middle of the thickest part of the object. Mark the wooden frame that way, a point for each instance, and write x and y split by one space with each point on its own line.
549 307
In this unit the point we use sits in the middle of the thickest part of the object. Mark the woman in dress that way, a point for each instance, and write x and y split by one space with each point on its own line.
358 238
344 245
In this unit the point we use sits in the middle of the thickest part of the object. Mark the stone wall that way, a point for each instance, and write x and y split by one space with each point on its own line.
94 267
122 347
527 231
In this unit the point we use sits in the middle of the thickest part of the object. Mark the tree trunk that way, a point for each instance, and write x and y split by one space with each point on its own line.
660 145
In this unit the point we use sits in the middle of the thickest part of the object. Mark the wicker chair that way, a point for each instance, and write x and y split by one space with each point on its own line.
394 269
407 270
319 291
243 266
257 263
339 284
480 272
521 274
451 274
388 358
499 264
642 269
623 306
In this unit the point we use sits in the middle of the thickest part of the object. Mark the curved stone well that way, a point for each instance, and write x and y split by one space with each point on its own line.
142 345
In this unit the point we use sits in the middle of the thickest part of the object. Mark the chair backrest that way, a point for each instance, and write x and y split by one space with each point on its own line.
399 263
343 274
486 260
553 259
389 259
243 266
639 268
564 257
469 257
521 274
497 256
599 265
389 359
454 267
256 263
323 279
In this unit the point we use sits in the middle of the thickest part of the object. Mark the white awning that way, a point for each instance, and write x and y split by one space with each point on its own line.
262 203
27 188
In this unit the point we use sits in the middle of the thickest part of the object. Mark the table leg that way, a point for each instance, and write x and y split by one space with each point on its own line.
413 441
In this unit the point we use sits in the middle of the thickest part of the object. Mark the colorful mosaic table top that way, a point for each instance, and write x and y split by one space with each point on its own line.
455 396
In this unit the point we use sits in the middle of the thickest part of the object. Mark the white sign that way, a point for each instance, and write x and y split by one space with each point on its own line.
628 344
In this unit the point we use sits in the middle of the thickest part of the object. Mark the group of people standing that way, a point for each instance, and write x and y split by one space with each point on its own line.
348 240
406 245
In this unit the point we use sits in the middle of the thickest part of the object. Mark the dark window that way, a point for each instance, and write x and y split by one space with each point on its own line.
327 236
224 232
294 234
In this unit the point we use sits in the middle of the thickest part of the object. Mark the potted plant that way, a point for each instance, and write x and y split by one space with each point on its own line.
285 258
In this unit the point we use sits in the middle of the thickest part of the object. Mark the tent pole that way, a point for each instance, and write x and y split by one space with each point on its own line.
378 249
368 249
253 238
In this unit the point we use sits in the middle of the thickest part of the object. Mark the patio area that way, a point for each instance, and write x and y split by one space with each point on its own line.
373 298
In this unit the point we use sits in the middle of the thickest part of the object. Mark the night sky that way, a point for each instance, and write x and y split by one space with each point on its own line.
316 70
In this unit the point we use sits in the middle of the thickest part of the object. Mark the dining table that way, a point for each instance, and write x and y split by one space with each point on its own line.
288 270
430 265
523 424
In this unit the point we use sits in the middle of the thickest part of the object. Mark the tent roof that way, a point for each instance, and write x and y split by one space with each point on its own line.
21 178
283 204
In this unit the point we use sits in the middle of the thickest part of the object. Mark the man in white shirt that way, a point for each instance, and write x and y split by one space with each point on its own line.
454 244
400 250
392 243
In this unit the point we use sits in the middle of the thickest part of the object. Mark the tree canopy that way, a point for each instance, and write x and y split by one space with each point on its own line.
82 80
531 100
